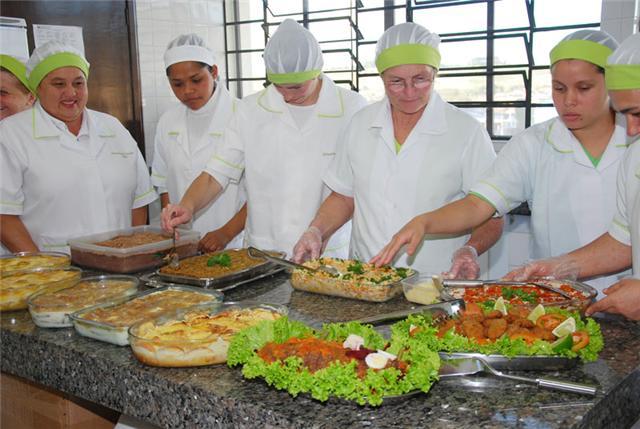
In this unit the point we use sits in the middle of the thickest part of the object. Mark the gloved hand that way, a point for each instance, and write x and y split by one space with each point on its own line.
464 264
309 246
559 267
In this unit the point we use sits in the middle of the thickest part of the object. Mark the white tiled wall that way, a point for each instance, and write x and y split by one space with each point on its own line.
160 21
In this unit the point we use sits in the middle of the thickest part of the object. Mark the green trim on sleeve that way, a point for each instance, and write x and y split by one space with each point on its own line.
584 50
483 198
227 163
621 226
9 203
143 195
622 76
408 54
159 176
495 188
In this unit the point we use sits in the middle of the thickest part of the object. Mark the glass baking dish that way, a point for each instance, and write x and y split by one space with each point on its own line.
364 282
110 322
17 287
23 261
88 251
198 335
52 309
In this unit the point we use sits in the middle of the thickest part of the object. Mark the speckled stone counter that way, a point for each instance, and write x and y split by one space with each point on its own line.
218 396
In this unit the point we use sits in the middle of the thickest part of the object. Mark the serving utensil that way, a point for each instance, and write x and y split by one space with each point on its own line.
452 367
289 264
172 256
478 283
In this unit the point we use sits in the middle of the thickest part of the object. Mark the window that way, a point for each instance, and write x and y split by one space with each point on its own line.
495 53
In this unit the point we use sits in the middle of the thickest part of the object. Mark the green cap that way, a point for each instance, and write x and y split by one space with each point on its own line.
622 76
54 62
585 50
16 68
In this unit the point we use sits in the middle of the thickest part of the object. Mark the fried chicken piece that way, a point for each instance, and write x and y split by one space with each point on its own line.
473 329
496 328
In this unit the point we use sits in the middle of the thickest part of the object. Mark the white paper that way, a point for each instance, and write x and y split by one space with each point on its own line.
13 37
69 35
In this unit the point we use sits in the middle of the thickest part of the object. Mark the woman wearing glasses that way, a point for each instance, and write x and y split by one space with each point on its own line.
565 167
405 154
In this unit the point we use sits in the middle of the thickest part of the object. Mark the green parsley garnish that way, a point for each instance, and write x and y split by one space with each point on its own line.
510 293
222 259
356 268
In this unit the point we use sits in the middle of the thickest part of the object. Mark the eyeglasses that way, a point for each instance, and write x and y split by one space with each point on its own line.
418 82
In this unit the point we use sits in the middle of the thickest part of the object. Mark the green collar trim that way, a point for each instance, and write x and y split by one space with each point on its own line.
585 50
408 54
620 77
54 62
547 138
594 160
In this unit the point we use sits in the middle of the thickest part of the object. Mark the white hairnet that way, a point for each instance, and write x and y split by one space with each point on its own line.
188 47
51 56
623 66
292 54
407 43
589 45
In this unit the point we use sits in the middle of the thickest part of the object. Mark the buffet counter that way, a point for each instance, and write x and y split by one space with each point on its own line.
218 396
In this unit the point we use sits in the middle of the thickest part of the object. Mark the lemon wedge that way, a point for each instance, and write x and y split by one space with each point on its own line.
535 313
561 344
565 328
500 306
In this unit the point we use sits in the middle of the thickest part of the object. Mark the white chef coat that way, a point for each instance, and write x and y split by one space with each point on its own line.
283 164
572 202
442 157
626 223
180 156
63 186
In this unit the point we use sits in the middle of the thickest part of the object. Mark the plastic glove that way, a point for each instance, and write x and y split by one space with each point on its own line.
559 267
309 246
213 240
464 264
174 215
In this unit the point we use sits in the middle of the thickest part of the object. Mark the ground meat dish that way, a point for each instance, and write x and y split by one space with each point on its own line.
201 267
132 240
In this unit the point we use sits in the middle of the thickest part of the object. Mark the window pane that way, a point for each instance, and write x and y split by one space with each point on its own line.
252 86
543 42
541 114
338 29
371 88
565 12
367 56
511 50
251 36
371 24
338 61
247 10
462 88
251 62
510 14
508 88
461 54
541 86
449 19
342 76
478 113
508 121
284 7
315 5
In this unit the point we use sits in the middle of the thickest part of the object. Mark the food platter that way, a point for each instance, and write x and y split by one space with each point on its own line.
222 282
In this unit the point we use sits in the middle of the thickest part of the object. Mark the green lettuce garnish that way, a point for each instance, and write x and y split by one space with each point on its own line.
338 379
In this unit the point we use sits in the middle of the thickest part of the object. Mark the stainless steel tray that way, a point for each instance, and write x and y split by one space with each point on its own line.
155 281
520 363
221 283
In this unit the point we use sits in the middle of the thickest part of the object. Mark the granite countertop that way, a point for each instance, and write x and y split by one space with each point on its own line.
218 396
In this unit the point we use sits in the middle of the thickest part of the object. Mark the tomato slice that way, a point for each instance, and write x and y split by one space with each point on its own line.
550 321
580 340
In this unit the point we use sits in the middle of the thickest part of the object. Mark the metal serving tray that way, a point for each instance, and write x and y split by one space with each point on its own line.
119 335
500 362
153 280
223 282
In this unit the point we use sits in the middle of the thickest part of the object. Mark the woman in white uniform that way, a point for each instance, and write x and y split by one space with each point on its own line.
405 154
618 248
15 95
66 170
282 139
187 137
565 168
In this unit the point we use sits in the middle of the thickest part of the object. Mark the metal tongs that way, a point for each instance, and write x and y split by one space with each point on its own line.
478 283
253 252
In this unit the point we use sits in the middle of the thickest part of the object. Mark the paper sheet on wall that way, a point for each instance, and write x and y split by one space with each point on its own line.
69 35
13 37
